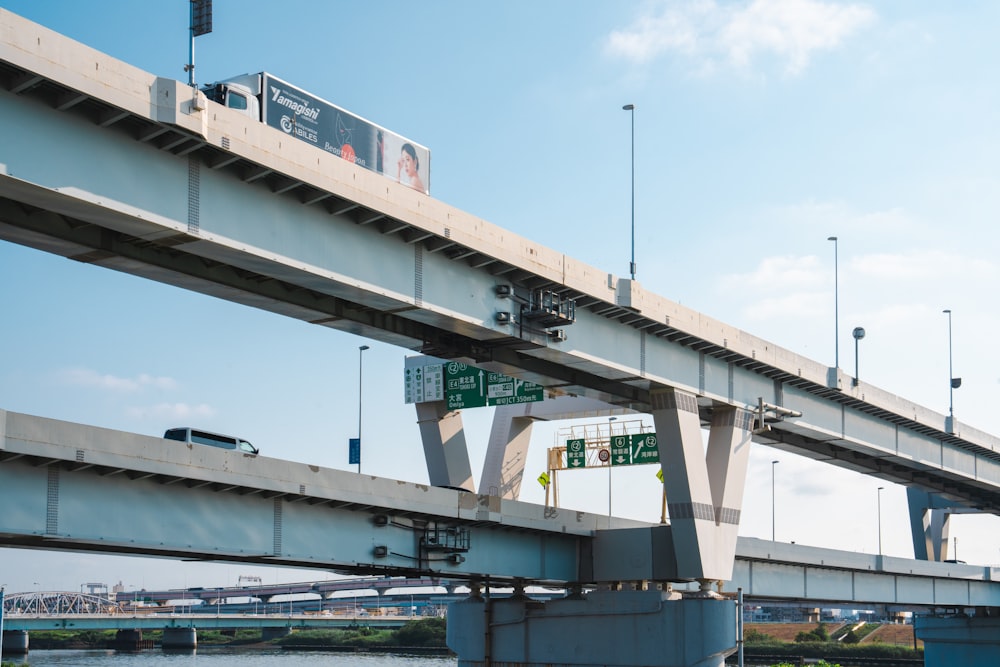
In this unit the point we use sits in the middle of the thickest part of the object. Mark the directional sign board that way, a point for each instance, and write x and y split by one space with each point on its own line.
576 453
644 448
464 386
423 384
634 449
621 450
470 387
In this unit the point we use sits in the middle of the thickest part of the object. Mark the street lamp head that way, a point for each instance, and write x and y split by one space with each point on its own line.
628 107
773 462
363 348
858 333
831 238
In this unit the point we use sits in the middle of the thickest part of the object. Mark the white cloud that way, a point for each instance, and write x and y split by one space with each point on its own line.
924 265
737 34
179 412
86 377
777 273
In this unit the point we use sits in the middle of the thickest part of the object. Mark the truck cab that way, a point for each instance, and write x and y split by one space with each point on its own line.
234 96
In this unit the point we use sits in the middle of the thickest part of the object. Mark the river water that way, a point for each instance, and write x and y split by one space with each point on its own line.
225 657
235 657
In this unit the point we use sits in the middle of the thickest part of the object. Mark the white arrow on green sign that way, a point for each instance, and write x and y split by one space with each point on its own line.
621 450
470 387
645 448
576 453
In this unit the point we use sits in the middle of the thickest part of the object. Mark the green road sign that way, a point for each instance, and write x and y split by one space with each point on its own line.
621 450
576 453
470 387
644 448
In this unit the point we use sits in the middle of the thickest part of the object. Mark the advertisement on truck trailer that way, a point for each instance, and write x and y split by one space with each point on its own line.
351 137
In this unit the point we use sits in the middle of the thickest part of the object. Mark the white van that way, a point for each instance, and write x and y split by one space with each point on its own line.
196 437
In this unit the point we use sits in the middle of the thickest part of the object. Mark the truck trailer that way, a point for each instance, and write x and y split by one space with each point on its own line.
270 100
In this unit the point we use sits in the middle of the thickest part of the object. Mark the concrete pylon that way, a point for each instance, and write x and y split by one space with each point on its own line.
704 490
930 519
506 455
445 449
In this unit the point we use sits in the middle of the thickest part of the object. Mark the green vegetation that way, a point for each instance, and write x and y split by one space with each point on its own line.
753 636
818 645
817 634
63 639
421 633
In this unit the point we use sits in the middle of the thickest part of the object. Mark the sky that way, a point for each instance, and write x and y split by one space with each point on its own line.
761 128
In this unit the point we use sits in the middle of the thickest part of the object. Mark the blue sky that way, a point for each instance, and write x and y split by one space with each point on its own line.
761 128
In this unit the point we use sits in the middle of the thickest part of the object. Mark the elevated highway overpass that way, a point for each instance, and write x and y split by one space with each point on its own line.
153 180
123 169
76 487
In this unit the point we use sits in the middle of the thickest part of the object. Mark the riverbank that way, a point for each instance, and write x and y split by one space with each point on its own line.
858 645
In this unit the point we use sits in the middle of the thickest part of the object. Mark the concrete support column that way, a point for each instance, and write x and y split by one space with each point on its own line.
445 449
704 490
507 452
267 634
929 525
959 641
506 455
179 638
624 628
15 642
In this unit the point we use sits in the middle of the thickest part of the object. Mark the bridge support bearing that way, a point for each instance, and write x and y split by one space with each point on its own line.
15 642
625 628
959 641
179 638
267 634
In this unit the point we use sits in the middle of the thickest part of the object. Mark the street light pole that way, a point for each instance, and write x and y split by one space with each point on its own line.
836 304
361 353
858 333
610 421
880 520
631 109
772 499
953 382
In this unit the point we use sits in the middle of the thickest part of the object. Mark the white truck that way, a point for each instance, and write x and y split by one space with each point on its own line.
270 100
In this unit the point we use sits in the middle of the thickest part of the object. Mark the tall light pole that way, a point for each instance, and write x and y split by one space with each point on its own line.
773 463
361 357
858 333
953 382
836 304
610 421
631 109
880 520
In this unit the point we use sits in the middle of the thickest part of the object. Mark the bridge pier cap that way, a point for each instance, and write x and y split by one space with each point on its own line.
622 628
